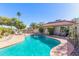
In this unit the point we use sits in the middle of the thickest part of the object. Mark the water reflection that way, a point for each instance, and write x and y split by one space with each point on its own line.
44 39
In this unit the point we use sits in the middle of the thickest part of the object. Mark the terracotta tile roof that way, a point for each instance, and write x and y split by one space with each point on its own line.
59 23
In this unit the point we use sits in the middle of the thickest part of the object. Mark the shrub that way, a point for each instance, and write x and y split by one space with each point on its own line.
6 31
10 31
0 36
41 30
51 31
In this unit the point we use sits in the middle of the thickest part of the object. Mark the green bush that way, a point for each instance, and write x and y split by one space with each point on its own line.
0 36
10 31
51 31
6 31
64 29
41 30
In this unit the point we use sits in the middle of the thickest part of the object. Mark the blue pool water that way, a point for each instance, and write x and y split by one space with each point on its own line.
31 46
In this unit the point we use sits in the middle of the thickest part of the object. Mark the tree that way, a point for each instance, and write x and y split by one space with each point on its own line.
4 20
10 22
18 14
13 22
1 21
34 25
41 29
40 24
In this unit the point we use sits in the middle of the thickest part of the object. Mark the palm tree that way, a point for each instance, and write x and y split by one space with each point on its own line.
18 14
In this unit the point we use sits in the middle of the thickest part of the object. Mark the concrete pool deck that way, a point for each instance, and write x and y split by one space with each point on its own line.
12 39
63 49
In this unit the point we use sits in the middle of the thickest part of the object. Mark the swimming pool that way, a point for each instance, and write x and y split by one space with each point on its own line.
32 46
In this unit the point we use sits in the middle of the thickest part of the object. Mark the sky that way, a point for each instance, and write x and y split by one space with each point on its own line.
40 12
